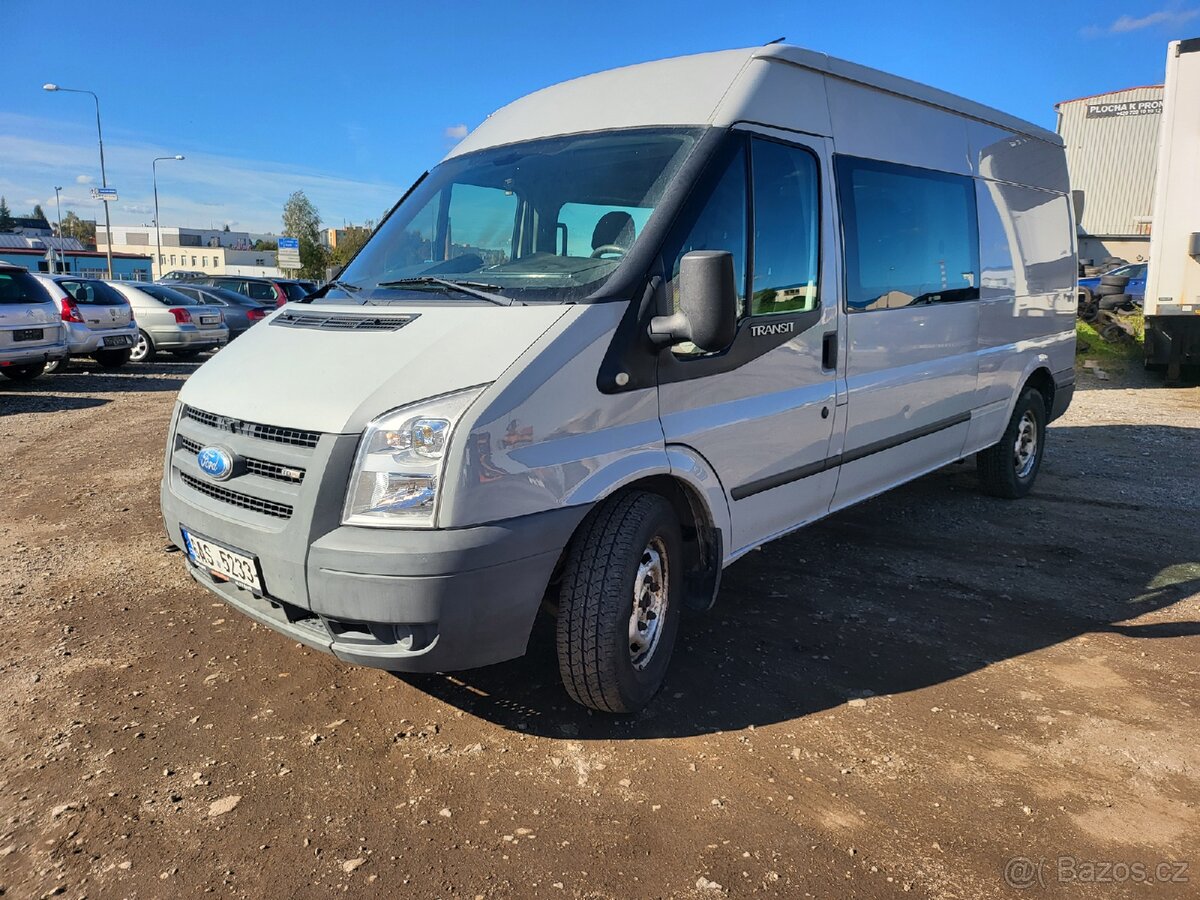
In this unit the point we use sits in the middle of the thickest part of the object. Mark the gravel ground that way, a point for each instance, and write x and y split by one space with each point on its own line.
901 699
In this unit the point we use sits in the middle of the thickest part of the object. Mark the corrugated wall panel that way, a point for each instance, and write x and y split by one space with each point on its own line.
1112 160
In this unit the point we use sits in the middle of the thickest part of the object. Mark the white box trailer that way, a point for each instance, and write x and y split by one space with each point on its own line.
1173 281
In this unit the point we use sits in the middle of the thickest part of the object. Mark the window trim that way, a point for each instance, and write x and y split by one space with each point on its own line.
845 218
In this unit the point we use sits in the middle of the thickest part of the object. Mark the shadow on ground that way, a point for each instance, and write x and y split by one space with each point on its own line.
924 584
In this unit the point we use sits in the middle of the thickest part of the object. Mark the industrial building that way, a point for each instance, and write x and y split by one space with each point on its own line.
45 254
1112 154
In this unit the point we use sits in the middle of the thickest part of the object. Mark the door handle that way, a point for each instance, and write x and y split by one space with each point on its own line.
829 350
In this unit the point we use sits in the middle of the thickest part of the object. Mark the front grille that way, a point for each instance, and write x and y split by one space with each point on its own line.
288 474
341 321
234 498
273 433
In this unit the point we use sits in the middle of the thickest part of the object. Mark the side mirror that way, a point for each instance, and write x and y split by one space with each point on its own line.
708 303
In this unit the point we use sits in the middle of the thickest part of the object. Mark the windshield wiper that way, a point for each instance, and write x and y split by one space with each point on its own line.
470 288
323 290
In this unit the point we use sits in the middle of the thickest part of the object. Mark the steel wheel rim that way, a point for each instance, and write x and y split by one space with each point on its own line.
1025 449
650 601
138 353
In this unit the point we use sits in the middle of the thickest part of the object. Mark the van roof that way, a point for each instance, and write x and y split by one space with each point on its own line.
701 89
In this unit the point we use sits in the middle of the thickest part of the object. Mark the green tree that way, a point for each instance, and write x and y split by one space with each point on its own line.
6 222
73 226
301 220
260 244
351 242
38 213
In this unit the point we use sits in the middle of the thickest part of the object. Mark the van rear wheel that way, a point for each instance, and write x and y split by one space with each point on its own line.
619 603
1008 469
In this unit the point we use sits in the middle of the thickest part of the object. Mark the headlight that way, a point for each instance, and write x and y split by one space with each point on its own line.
398 467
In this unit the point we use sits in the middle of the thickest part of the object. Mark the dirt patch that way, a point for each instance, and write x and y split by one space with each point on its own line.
898 700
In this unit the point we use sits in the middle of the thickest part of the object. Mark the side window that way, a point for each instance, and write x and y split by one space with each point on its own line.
786 229
910 235
258 290
720 225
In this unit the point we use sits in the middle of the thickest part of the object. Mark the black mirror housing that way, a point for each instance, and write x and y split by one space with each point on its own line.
708 303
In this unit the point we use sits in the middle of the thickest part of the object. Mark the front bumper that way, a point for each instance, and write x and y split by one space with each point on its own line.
405 600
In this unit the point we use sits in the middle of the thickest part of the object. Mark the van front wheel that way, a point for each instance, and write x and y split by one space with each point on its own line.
1009 468
619 603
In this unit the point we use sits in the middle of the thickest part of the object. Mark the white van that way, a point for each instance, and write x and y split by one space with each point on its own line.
631 328
31 327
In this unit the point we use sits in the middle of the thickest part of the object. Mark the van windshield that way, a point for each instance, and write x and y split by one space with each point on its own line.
543 220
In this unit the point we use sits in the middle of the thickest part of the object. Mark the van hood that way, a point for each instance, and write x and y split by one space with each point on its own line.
332 368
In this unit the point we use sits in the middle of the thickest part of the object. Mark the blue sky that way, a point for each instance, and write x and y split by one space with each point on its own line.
350 101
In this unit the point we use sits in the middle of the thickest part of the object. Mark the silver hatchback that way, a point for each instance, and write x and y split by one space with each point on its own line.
172 322
99 320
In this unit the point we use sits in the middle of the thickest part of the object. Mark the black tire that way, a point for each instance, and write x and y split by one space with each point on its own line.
27 372
1114 301
112 359
58 365
1108 290
143 350
596 659
1114 280
1002 473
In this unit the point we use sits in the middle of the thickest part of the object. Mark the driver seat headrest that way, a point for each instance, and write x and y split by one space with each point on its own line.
614 228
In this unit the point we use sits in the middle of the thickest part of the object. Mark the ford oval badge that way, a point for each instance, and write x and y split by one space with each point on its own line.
215 463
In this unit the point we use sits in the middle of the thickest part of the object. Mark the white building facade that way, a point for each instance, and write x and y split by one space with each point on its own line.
208 250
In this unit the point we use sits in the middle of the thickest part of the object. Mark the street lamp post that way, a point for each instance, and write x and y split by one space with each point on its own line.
103 174
157 224
58 203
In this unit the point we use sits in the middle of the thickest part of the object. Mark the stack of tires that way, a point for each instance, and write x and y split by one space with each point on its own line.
1089 268
1109 296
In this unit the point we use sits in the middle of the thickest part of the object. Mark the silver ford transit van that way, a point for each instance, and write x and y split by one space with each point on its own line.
632 327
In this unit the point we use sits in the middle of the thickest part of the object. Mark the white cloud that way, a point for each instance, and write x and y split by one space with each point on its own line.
456 132
1172 16
206 189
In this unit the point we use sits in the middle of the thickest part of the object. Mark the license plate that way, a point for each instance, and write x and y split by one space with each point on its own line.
118 340
228 563
28 334
209 320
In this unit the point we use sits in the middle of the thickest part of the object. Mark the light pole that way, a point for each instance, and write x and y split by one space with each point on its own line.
157 224
58 203
103 175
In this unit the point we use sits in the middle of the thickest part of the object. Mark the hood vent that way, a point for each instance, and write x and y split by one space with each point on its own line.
341 321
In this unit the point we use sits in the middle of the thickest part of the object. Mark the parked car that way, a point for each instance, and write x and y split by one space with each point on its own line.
275 291
32 333
171 321
99 320
239 310
1135 287
182 275
659 316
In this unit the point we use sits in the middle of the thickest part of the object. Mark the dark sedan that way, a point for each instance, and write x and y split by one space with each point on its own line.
240 311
